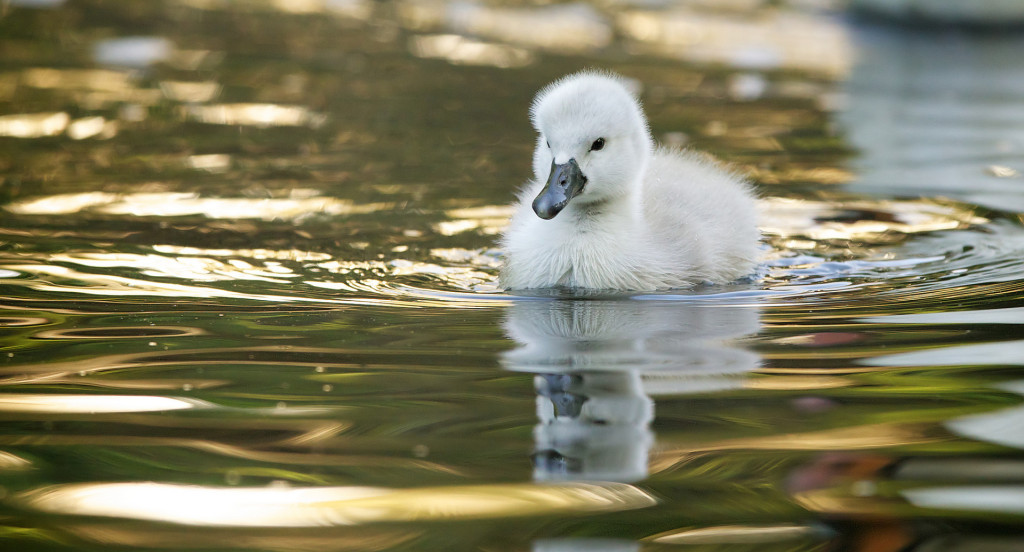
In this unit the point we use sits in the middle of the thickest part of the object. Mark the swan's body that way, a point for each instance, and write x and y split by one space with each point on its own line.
616 212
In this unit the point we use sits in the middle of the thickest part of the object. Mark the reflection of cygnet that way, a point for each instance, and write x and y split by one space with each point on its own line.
677 347
585 545
607 209
593 425
597 363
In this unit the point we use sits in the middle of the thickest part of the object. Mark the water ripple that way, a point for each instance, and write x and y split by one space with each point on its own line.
828 250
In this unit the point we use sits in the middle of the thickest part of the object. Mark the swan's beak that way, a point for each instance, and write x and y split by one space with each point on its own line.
564 182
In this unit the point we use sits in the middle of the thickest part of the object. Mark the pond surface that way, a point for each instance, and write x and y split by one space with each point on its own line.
248 263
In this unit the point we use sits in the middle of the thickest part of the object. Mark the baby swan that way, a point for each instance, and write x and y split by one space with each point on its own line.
608 209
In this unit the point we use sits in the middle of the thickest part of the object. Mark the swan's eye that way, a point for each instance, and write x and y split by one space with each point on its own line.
598 144
548 143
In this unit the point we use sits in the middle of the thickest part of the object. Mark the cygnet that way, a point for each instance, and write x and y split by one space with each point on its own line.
610 209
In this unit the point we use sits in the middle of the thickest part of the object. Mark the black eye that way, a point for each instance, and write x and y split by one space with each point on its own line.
598 144
549 144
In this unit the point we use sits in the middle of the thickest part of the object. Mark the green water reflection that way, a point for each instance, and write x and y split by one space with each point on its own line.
247 262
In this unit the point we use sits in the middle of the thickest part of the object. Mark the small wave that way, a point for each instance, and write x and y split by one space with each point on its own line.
838 249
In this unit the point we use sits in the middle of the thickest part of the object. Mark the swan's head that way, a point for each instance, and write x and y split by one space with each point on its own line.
593 141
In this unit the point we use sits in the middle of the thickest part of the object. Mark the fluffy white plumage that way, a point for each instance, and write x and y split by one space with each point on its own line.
646 218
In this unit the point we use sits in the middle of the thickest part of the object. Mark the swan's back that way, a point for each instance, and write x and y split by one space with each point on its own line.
696 208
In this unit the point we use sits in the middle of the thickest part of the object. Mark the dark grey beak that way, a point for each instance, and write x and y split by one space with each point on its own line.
564 182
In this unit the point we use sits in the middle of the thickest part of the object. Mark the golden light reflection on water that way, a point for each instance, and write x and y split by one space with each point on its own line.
473 257
260 254
797 382
489 219
790 224
211 162
78 380
326 506
175 204
254 114
356 9
293 439
563 28
89 127
802 218
197 269
863 437
459 276
92 88
119 286
190 91
379 278
60 204
833 502
735 534
788 218
13 462
767 40
33 125
819 175
857 437
105 80
460 50
92 404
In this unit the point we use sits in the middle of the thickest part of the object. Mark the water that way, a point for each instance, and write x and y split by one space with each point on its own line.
248 264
